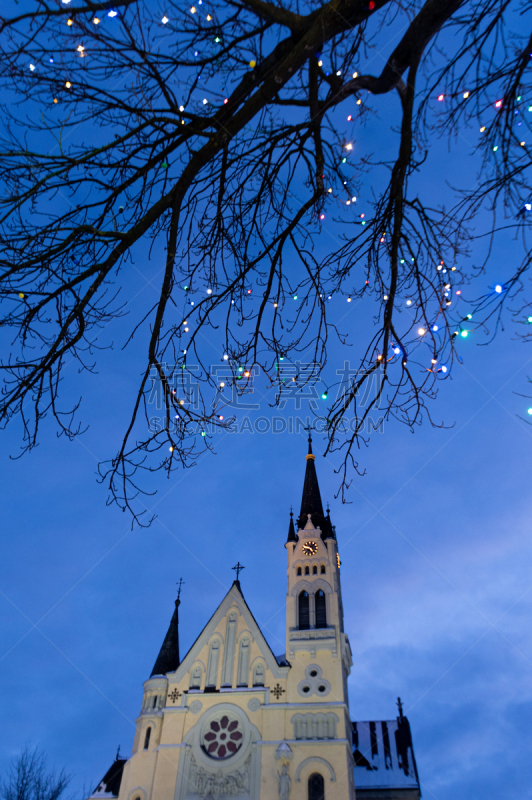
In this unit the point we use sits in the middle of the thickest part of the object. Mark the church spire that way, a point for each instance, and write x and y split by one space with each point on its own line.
168 658
311 499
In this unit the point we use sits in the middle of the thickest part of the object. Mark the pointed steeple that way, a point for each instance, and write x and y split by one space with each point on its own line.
168 658
291 530
311 499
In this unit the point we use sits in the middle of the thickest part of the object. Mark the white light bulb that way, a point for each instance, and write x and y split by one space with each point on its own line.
226 357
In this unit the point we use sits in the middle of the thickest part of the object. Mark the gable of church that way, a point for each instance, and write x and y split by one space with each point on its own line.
230 651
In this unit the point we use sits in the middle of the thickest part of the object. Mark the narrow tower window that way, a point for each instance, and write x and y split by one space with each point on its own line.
147 739
321 610
316 787
155 701
307 571
304 611
299 570
314 570
323 569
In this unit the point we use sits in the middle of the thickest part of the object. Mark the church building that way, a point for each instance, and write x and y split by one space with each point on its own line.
233 721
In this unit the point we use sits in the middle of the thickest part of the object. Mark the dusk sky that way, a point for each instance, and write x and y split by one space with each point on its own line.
436 564
434 541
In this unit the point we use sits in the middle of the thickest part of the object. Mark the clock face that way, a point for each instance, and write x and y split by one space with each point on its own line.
310 548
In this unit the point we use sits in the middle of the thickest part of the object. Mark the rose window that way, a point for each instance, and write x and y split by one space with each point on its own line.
223 737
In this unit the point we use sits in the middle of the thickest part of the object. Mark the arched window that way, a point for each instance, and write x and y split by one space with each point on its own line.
323 569
321 609
314 570
212 665
229 649
304 611
147 739
307 571
316 787
299 570
259 674
243 662
155 701
195 678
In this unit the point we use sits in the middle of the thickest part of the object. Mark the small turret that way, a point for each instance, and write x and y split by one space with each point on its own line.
168 658
291 529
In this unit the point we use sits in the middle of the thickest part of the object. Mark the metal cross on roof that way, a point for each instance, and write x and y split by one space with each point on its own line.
400 707
238 569
179 585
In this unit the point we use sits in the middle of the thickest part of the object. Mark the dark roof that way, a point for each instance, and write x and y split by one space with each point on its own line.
311 500
110 783
384 755
168 658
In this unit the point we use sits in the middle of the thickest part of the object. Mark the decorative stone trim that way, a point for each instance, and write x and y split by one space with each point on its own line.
313 683
315 759
315 726
138 791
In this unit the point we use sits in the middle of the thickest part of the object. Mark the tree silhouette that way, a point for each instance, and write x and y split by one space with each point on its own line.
218 132
30 779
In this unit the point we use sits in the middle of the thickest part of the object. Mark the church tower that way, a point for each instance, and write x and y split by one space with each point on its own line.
316 645
233 721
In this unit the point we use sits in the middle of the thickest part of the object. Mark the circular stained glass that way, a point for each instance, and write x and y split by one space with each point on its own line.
222 737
